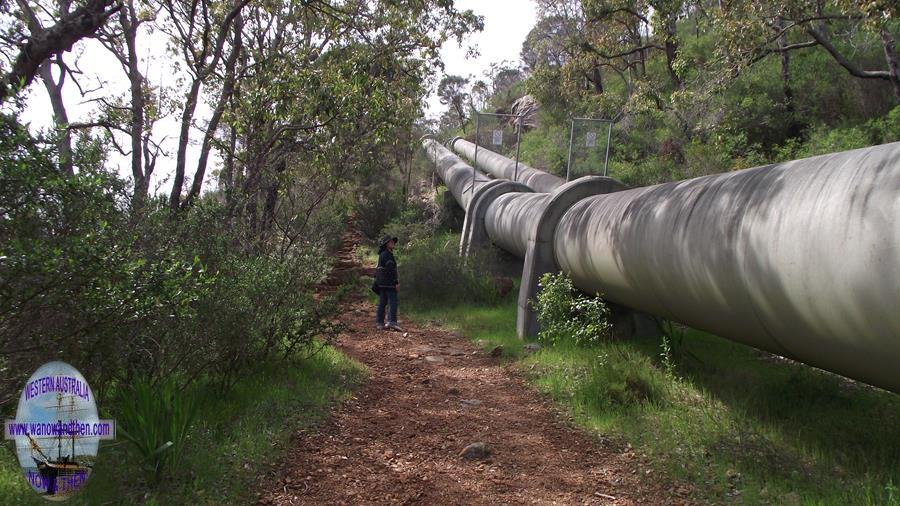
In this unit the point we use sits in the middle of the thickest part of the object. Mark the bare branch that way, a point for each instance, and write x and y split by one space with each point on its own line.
843 61
41 45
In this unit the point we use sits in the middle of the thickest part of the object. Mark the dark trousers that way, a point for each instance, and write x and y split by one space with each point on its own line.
387 297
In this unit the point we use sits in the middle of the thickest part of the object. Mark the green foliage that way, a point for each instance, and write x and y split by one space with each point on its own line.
722 101
133 289
376 206
620 378
433 273
567 316
732 424
452 92
665 354
418 222
116 291
644 173
672 337
823 140
156 419
546 147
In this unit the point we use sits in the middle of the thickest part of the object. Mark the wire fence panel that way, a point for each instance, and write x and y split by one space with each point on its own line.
589 141
499 133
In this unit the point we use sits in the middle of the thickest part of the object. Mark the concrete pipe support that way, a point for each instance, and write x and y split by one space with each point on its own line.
800 258
476 235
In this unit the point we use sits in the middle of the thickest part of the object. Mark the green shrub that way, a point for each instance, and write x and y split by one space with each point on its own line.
376 207
117 290
156 419
546 147
887 129
432 273
569 317
647 172
419 220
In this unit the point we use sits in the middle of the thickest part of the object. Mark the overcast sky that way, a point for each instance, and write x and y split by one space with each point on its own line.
506 24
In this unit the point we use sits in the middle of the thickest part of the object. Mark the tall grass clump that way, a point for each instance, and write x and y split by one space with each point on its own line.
432 273
156 420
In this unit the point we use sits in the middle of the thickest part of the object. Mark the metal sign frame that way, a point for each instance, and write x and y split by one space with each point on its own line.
609 123
478 116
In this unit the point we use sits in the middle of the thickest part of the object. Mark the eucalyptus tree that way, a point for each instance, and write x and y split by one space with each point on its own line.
198 31
53 85
322 90
577 44
547 44
134 114
452 92
36 35
317 80
27 40
847 30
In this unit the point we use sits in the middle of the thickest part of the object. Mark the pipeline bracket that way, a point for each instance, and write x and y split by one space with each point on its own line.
540 257
474 231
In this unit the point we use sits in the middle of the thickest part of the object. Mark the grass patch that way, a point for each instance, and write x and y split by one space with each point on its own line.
235 438
739 425
491 324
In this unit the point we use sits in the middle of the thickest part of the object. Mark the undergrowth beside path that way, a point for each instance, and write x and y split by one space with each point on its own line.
235 438
740 425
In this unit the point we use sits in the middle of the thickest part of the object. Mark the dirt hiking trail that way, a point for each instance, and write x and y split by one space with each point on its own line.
430 394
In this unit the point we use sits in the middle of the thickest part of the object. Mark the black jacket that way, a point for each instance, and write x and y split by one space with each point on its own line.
386 272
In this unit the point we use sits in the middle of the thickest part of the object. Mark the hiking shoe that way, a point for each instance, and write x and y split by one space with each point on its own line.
394 326
379 326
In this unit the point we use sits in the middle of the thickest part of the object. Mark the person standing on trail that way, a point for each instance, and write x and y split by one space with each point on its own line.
387 284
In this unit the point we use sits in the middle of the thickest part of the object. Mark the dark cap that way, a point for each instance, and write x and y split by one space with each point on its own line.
386 239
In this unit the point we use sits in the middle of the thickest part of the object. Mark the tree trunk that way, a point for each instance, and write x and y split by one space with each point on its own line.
60 117
672 51
890 54
227 177
44 43
227 91
786 90
268 218
128 19
597 79
201 69
643 52
462 117
187 116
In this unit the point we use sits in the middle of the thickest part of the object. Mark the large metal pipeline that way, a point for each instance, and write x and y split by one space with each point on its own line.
511 218
503 168
454 172
800 258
